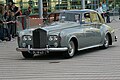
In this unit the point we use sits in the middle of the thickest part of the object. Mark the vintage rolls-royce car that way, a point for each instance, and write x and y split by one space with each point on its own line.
72 31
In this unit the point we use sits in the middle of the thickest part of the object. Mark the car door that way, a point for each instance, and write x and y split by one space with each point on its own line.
95 28
87 30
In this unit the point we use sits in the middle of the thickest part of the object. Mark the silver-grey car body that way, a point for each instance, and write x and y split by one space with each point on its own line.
75 30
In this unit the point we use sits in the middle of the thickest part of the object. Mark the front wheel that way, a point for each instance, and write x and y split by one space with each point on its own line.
71 50
27 55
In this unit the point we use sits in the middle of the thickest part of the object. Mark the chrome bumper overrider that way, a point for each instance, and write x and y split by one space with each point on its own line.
42 49
116 38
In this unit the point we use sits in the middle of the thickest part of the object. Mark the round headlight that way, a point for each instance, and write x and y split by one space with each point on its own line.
24 38
24 44
53 38
29 38
56 44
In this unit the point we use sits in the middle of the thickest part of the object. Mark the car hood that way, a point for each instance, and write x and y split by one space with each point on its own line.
26 32
53 28
58 26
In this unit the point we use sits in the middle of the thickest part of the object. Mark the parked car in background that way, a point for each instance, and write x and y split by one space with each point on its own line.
74 30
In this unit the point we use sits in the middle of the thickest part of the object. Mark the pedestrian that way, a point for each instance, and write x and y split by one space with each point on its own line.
45 13
10 5
13 25
27 12
106 11
1 22
107 16
4 32
16 10
104 6
7 18
100 10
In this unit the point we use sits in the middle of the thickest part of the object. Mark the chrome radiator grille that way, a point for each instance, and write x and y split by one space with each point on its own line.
39 38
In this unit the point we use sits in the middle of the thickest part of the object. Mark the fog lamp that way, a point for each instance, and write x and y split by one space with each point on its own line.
56 44
24 45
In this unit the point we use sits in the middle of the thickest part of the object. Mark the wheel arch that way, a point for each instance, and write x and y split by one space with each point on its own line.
110 38
74 39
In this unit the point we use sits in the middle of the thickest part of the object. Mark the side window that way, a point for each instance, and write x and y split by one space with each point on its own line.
100 18
69 16
77 18
86 18
94 17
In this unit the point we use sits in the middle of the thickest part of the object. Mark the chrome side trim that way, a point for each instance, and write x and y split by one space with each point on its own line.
90 47
43 49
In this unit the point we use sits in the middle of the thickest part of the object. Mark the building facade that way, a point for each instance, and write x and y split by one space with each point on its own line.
53 5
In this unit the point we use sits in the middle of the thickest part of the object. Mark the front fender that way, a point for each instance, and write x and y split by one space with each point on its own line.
66 36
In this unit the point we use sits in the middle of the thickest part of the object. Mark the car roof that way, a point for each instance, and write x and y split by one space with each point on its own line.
73 11
78 11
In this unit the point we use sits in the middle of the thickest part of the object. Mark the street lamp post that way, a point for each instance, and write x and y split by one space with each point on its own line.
40 7
83 4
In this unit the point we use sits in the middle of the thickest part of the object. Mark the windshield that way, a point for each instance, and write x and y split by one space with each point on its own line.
52 17
62 16
69 17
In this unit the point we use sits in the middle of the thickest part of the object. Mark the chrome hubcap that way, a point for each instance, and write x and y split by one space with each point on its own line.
71 48
106 41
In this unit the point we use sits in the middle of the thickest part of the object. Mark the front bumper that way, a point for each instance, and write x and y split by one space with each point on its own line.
43 49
